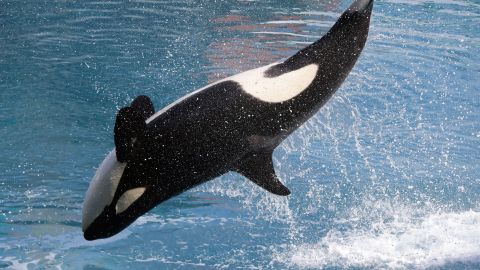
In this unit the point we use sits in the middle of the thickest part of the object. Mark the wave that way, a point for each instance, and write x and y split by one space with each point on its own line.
396 240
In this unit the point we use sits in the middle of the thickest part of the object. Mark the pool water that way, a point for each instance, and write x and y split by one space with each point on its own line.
385 176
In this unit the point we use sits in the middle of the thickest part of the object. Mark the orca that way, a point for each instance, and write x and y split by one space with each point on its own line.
232 125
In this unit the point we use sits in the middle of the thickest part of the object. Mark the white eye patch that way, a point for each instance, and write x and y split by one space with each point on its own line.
127 198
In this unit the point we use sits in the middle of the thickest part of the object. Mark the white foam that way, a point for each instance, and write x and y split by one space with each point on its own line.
403 242
177 221
18 265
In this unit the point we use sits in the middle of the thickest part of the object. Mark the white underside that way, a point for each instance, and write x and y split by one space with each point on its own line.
254 83
102 188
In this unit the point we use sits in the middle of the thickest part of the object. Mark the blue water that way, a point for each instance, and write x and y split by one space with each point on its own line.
386 175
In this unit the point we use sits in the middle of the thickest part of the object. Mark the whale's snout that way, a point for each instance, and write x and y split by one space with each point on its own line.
105 225
110 206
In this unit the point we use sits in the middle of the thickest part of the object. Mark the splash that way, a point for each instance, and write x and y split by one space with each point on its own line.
396 240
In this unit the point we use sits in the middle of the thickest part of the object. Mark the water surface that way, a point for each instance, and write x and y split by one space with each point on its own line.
386 175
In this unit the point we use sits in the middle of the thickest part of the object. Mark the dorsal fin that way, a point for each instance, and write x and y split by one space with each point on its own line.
144 106
129 124
258 167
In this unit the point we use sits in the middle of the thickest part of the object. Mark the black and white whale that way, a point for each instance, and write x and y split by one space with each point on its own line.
231 125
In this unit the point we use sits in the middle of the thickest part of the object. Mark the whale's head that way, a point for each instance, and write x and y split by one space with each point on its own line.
111 205
119 192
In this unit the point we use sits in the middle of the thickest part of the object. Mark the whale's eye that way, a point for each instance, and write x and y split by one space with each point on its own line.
127 198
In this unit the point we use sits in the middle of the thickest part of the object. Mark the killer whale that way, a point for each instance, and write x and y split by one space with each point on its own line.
231 125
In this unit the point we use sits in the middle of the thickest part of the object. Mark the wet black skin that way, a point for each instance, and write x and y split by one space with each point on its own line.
222 129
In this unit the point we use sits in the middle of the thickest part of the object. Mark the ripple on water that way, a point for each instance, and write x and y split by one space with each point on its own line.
385 176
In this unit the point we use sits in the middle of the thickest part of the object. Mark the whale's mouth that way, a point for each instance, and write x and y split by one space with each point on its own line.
120 214
106 225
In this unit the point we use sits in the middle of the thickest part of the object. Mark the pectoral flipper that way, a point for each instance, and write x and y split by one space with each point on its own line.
258 167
